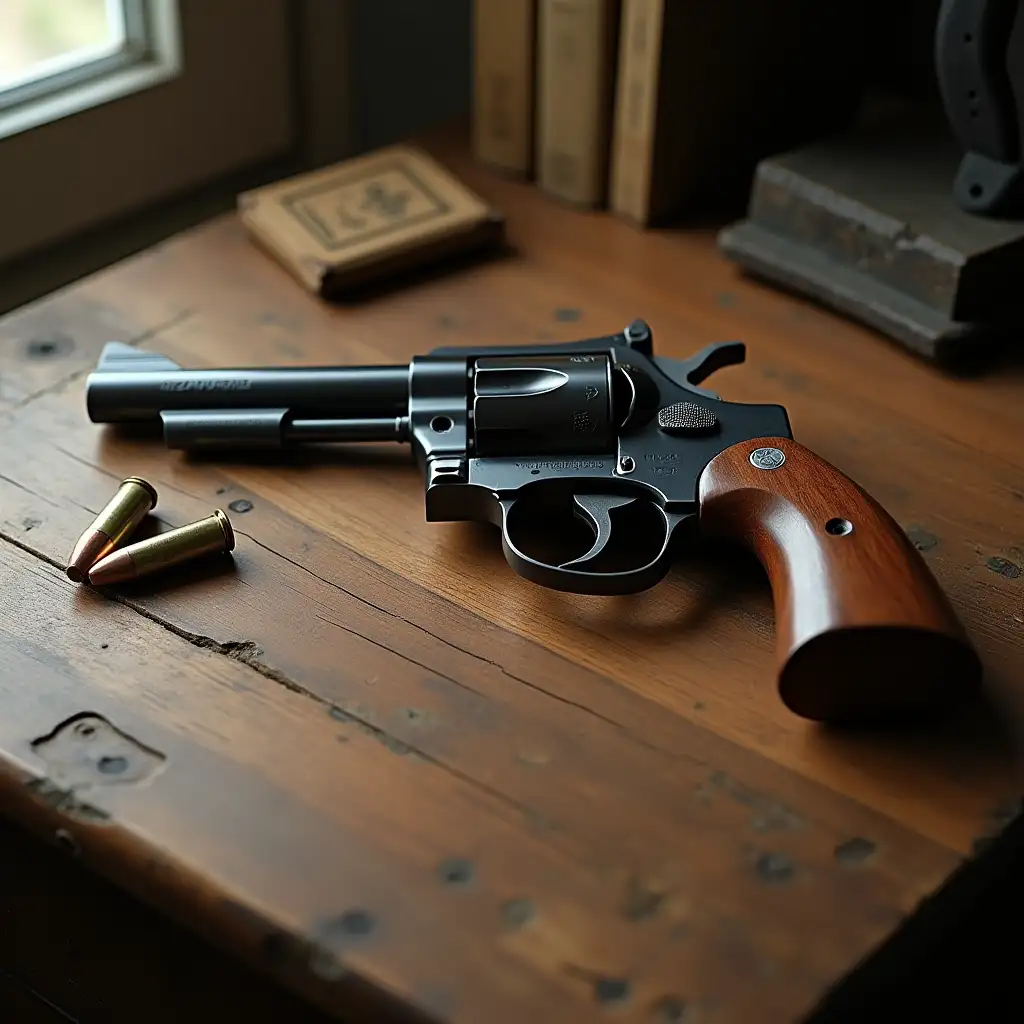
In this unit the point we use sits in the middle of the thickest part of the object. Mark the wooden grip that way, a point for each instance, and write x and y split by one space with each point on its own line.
863 630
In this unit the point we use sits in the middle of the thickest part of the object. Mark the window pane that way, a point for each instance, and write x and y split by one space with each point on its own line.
42 37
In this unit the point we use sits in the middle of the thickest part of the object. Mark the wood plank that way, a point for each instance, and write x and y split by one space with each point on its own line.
946 786
479 765
391 773
328 827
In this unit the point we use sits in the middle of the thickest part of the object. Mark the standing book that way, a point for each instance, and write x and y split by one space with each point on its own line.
577 50
708 87
504 35
637 190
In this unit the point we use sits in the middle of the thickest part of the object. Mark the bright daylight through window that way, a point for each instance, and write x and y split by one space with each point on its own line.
45 44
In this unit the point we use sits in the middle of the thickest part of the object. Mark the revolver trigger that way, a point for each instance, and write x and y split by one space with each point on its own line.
596 510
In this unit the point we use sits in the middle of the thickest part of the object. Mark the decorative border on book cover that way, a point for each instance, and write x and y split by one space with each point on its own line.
354 208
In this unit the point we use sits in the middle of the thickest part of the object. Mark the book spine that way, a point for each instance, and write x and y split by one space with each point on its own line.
504 75
577 57
636 109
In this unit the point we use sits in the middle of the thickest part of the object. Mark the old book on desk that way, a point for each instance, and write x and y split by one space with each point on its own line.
706 89
577 44
342 228
504 38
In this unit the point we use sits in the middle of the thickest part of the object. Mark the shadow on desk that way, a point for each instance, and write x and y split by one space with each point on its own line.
956 959
75 948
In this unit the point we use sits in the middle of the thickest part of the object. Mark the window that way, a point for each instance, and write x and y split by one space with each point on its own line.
41 41
61 56
109 105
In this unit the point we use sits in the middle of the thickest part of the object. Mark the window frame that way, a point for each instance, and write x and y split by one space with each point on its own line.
150 54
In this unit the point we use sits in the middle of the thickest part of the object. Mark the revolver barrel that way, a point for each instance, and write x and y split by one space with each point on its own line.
126 396
250 407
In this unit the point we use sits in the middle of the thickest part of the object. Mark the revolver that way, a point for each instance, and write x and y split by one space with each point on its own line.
596 459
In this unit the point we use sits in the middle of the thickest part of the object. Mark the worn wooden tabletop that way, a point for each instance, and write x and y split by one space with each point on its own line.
369 758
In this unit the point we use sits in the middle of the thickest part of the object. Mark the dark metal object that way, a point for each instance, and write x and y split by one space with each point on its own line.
866 224
122 397
979 62
523 404
598 435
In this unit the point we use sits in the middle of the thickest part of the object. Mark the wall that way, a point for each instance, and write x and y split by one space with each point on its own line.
413 66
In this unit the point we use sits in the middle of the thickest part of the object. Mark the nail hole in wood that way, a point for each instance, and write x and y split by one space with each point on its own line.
518 913
670 1010
611 990
112 765
456 872
774 867
44 348
854 851
357 923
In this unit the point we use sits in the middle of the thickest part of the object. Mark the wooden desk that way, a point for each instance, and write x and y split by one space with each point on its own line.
375 763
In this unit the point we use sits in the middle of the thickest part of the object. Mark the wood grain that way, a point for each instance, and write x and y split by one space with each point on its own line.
863 631
550 805
279 813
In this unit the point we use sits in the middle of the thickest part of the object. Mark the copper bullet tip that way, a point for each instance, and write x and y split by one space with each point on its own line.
117 521
115 568
91 547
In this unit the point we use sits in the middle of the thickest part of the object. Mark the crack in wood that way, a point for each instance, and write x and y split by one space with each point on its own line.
400 618
404 657
384 611
250 654
28 490
404 749
85 462
29 550
164 484
448 643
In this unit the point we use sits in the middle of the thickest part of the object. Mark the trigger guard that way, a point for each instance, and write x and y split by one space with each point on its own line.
579 581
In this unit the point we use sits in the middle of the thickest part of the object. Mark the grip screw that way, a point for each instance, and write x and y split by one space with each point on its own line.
839 527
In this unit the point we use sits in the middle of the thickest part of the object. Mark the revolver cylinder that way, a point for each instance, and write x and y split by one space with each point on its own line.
537 405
